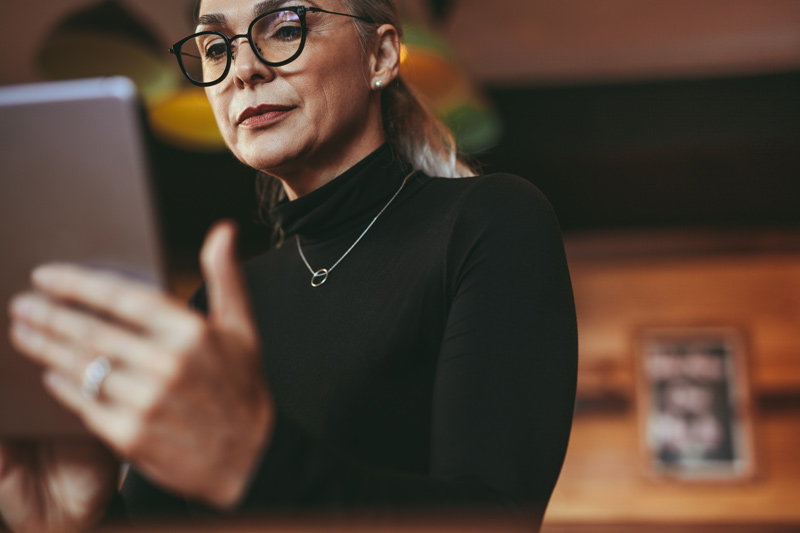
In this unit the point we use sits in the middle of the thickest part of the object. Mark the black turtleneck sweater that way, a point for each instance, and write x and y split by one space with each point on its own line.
435 366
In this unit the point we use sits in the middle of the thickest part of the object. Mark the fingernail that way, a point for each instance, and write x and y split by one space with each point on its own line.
46 276
26 306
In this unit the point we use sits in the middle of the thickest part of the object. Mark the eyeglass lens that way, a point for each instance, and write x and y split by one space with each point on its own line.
276 37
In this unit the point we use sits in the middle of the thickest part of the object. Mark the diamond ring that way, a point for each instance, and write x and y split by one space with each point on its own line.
94 375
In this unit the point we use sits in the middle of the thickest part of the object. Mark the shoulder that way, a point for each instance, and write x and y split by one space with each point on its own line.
492 191
502 217
503 199
499 182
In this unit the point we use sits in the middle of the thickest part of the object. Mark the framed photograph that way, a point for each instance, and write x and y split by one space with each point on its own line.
694 404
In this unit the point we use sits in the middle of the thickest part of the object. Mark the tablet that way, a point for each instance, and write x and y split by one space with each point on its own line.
74 187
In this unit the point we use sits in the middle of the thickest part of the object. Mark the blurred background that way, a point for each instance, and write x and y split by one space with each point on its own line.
667 137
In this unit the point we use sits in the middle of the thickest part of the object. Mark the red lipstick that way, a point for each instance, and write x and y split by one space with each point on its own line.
262 115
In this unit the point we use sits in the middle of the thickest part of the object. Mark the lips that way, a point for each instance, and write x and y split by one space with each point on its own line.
262 114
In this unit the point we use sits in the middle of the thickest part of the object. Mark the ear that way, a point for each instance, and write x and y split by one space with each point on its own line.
385 59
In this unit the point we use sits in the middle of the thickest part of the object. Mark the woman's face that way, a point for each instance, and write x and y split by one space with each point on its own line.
310 113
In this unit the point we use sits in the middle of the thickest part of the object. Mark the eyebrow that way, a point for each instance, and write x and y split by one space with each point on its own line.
212 19
267 5
219 20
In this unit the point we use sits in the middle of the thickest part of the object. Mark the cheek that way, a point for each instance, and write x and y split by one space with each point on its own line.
220 105
339 90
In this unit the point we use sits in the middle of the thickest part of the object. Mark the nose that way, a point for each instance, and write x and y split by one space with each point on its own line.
247 68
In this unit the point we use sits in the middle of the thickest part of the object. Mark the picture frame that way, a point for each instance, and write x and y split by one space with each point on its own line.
694 404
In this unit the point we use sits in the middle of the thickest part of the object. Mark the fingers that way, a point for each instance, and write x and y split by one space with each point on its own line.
124 385
229 300
126 300
74 327
108 421
43 351
68 393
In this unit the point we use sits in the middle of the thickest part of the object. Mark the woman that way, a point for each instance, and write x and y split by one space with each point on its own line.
412 343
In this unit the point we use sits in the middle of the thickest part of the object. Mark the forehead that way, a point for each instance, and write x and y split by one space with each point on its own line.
247 7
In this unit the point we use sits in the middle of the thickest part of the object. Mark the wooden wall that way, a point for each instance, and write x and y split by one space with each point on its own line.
750 281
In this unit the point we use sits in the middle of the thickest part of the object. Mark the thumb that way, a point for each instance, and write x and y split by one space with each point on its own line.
228 300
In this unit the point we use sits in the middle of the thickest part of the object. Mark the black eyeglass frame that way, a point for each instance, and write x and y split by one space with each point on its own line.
300 11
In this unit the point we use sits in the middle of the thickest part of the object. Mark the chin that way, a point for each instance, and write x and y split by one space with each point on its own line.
268 152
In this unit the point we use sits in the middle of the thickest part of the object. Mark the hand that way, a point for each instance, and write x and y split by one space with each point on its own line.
55 486
186 400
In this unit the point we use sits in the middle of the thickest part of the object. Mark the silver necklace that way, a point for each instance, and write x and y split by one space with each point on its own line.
320 276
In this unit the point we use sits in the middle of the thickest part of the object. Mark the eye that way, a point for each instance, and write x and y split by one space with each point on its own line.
215 51
279 27
287 33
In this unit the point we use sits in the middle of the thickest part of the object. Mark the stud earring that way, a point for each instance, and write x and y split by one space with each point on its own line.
378 84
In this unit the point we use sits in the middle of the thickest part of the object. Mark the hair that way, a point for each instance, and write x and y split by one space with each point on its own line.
411 129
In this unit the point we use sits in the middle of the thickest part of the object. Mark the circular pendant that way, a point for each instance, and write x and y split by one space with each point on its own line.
319 277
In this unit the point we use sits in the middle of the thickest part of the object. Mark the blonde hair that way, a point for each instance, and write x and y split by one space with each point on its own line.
410 127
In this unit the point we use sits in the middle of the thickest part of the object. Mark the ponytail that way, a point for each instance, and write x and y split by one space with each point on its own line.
412 130
418 136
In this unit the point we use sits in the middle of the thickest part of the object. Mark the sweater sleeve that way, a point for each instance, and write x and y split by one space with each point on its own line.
505 387
505 381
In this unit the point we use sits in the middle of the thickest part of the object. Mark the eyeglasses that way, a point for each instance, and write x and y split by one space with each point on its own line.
276 37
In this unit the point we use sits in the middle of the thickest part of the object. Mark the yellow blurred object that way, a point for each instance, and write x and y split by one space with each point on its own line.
428 64
403 53
186 120
439 80
84 53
